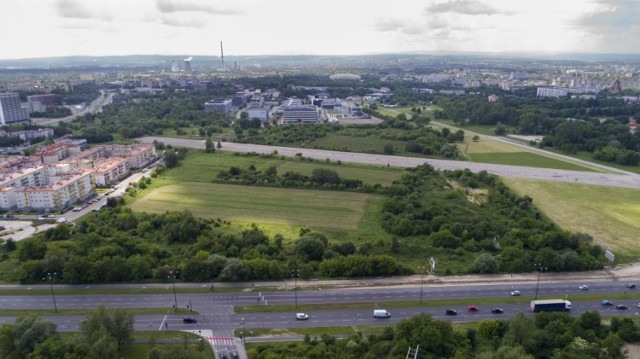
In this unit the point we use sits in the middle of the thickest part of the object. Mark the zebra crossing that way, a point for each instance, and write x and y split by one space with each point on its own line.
222 344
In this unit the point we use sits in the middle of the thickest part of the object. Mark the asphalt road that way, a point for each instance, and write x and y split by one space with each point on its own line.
624 180
216 309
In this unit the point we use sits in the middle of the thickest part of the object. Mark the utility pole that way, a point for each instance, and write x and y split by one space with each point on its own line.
540 268
49 278
173 275
295 274
421 269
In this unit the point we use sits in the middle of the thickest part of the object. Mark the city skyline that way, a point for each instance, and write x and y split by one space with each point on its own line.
287 27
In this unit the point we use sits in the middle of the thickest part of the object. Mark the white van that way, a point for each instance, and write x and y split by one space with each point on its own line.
61 220
381 313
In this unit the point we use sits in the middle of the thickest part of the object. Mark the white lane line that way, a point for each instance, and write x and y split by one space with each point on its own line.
162 324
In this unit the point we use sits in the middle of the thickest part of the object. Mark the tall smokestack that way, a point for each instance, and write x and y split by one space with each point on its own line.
221 55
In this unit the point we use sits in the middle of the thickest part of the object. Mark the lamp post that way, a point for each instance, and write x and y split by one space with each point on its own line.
421 269
173 275
295 274
540 268
49 278
242 335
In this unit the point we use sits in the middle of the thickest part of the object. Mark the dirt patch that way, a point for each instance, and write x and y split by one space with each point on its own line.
633 350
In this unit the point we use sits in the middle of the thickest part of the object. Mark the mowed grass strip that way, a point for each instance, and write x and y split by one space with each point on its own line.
296 207
609 214
367 175
525 159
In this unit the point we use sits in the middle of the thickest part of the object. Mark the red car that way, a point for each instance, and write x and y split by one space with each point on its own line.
473 308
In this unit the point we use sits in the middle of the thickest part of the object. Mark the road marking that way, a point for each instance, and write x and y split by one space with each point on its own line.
162 324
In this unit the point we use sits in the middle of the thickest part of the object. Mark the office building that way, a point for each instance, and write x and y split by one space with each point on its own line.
299 115
219 105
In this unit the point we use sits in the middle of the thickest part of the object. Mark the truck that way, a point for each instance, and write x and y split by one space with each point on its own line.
550 305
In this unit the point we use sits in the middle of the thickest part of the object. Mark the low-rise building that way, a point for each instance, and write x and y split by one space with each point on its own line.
299 115
220 106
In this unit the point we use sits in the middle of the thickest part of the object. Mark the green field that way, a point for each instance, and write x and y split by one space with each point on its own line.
292 207
367 175
609 214
528 159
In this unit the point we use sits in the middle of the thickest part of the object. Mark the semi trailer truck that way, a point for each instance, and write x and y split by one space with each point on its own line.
550 305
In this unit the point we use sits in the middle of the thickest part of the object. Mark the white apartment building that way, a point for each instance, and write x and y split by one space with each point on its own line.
58 185
551 92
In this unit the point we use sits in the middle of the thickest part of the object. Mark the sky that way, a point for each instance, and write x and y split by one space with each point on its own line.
46 28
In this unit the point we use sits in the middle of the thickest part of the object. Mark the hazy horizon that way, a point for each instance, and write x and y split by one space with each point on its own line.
287 27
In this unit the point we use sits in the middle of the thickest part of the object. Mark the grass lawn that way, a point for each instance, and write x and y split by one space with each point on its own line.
609 214
293 207
383 176
528 159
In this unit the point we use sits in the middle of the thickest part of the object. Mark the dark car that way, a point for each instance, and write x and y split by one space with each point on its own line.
621 307
450 312
189 320
631 286
497 310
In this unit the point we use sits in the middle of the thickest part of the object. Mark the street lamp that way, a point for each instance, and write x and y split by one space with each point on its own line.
242 335
49 278
540 268
295 274
174 274
421 269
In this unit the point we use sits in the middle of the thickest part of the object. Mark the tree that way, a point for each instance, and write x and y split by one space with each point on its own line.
118 326
20 339
208 145
171 158
485 263
476 138
323 175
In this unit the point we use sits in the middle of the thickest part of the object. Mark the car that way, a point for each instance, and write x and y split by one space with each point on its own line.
631 286
497 310
583 287
450 312
621 307
77 209
472 308
515 293
43 218
607 303
189 320
61 220
302 316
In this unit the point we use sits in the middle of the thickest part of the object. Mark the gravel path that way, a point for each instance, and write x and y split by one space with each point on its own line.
628 180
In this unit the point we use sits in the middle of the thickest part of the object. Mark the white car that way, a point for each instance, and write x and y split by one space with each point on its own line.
302 316
61 220
583 287
515 293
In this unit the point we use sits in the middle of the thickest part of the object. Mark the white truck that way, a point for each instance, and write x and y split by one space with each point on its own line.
381 313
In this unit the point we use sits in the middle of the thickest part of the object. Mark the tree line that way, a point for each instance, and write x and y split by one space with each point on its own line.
543 336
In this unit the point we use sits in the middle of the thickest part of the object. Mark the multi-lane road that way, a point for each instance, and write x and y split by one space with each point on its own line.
216 310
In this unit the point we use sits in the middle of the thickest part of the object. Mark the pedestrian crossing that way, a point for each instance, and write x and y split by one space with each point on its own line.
215 340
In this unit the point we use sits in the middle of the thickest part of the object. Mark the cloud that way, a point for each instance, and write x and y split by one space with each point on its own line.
174 6
614 24
388 24
181 22
465 7
76 9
